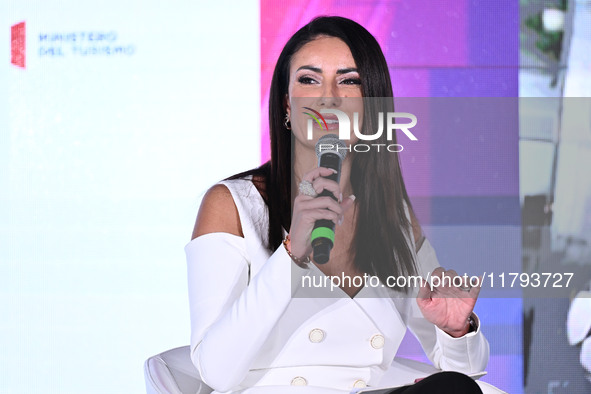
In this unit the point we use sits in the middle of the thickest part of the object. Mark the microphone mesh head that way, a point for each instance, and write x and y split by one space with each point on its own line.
331 143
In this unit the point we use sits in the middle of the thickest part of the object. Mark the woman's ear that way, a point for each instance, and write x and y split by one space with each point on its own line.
287 106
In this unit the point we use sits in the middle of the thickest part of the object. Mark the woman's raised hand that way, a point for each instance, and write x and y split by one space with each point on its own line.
446 305
307 210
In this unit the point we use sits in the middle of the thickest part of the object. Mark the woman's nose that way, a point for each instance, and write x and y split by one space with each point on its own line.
331 96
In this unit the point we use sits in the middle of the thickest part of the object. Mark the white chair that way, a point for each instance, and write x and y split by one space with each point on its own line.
578 327
172 372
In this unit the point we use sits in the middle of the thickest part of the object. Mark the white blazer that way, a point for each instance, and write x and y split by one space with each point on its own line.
255 323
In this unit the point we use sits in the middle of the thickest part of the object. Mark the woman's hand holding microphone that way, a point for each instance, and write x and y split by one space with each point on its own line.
308 208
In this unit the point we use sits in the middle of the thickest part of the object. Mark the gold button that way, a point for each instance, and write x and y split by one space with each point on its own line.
359 384
377 341
299 381
316 335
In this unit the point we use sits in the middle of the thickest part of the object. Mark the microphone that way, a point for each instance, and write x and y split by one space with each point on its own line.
331 152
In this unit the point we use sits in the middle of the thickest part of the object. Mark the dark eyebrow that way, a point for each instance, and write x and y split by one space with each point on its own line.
315 69
346 70
319 71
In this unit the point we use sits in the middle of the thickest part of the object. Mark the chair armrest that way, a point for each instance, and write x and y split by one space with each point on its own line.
404 371
173 372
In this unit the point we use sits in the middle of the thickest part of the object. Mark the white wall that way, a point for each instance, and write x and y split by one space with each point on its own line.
103 161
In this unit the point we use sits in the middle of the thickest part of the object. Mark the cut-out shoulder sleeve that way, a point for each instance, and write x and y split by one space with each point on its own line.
218 213
232 313
231 317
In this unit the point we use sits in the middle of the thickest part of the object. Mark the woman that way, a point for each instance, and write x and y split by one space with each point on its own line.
254 325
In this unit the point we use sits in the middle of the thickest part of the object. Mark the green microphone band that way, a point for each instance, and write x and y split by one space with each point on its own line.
323 232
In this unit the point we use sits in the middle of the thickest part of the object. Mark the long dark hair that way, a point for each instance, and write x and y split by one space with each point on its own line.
380 244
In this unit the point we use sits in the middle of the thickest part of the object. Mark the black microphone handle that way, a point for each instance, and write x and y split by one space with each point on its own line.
323 233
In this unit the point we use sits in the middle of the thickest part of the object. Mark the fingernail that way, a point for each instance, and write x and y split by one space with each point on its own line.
352 197
341 197
340 220
333 170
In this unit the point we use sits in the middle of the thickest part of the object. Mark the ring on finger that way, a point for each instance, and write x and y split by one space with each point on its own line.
307 189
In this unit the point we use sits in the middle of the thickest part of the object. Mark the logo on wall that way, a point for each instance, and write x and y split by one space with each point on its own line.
83 44
91 43
18 45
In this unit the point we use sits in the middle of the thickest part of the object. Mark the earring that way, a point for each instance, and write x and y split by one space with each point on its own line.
286 122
